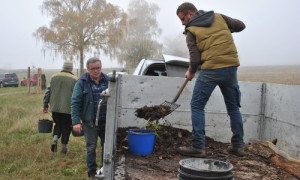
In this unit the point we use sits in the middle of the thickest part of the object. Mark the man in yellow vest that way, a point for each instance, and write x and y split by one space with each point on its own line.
211 48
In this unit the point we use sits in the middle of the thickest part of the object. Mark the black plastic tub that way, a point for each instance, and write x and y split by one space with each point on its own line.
198 168
45 126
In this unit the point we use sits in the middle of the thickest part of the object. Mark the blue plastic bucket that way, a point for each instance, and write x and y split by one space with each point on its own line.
141 141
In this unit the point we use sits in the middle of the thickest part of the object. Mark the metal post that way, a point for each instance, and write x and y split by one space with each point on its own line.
110 132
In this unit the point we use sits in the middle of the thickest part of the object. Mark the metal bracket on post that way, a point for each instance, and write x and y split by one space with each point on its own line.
107 159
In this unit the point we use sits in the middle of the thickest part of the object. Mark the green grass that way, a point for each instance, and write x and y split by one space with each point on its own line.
9 90
24 152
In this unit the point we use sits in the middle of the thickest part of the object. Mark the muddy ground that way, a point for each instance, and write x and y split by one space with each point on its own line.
163 163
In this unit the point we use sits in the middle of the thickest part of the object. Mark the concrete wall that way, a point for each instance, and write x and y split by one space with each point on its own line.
282 117
269 116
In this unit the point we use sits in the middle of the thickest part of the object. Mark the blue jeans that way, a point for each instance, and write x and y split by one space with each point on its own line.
226 79
91 135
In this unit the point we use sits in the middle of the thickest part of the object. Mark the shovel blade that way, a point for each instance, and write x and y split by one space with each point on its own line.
172 106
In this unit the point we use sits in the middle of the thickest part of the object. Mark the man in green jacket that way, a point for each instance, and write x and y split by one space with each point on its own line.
211 47
58 95
85 113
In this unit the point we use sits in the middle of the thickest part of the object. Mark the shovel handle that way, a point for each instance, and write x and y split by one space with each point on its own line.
180 90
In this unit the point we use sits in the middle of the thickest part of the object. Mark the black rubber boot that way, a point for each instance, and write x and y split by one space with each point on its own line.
54 147
64 149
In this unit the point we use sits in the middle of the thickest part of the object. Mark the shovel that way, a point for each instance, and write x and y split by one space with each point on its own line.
172 104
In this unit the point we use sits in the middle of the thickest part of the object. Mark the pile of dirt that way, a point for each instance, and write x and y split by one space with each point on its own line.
163 163
152 113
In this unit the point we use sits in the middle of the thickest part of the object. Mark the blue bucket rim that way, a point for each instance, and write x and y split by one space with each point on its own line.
143 131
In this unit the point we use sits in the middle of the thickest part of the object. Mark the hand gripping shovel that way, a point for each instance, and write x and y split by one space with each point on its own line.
172 104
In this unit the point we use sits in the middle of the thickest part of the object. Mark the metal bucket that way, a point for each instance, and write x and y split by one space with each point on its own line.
45 126
198 168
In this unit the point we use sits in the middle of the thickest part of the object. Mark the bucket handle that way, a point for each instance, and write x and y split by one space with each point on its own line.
43 115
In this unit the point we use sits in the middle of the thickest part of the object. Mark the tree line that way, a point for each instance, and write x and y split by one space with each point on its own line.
81 27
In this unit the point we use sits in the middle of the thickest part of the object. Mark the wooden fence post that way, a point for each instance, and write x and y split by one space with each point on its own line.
39 83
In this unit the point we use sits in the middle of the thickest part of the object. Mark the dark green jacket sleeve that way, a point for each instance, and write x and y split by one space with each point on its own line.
47 97
76 104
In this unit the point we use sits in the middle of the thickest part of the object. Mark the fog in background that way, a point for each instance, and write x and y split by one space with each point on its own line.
271 37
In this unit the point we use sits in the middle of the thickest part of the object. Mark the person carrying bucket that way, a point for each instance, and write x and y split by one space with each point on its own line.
85 100
58 95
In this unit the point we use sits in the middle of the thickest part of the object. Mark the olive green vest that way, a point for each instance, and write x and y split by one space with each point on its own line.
62 85
216 44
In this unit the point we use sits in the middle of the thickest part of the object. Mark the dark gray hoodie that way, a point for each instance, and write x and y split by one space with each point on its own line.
201 19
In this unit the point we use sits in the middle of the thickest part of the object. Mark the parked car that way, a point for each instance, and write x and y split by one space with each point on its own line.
33 80
171 66
9 79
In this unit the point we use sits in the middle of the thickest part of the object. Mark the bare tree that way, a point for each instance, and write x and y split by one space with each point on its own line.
81 26
143 29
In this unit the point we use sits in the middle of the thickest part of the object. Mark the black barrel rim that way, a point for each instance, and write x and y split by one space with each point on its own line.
187 166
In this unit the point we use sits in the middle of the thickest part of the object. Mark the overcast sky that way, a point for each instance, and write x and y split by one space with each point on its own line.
271 37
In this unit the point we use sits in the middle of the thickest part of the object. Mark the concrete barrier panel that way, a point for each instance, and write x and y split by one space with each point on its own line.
138 91
269 112
282 117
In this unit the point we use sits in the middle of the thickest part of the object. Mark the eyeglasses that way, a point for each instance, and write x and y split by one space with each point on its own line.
95 68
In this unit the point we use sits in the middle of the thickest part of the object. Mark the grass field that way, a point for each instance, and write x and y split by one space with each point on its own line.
271 74
25 153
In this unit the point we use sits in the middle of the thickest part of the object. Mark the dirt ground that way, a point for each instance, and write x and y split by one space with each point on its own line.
163 164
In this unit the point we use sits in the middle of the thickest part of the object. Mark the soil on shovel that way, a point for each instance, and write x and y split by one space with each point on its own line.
163 163
153 113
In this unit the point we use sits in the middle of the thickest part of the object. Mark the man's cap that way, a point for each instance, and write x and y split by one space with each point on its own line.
68 66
